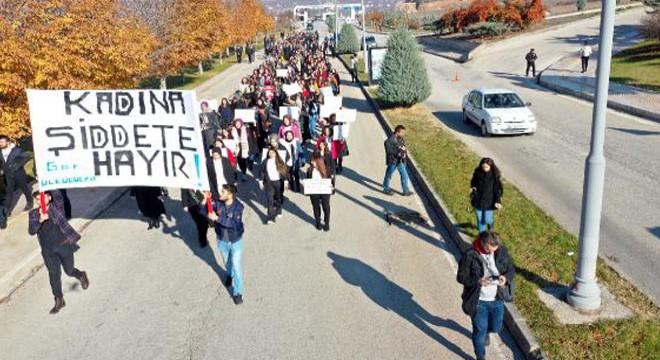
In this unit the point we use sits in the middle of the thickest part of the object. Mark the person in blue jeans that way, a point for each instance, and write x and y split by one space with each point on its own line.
395 158
486 193
483 270
227 216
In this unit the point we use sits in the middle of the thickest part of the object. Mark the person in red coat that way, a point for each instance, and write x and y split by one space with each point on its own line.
335 146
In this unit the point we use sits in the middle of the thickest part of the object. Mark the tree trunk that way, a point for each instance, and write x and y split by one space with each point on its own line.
200 67
163 82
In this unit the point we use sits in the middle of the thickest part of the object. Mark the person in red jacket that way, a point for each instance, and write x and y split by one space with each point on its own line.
335 146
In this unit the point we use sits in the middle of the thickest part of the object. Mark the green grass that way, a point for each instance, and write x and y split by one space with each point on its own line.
638 65
539 247
190 77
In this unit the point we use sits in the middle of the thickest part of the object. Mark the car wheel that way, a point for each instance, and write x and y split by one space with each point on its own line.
484 129
465 116
530 134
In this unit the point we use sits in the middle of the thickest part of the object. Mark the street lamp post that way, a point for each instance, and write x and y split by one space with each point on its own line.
364 40
336 24
585 293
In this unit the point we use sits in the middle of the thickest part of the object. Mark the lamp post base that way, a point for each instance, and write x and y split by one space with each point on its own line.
584 296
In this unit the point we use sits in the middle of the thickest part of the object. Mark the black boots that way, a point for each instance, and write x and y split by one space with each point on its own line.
318 224
59 304
84 281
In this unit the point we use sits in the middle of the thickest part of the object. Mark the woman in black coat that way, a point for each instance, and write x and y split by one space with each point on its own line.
486 193
191 200
149 203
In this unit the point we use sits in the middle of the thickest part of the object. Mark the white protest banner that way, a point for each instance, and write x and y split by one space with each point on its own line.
243 88
291 89
247 115
213 105
340 131
333 101
326 111
327 91
282 73
317 186
347 115
293 111
92 138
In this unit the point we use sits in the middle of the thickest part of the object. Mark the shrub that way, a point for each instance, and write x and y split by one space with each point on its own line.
581 4
518 14
330 21
650 27
488 28
404 78
348 40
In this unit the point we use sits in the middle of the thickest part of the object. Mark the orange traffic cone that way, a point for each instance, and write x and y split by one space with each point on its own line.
457 77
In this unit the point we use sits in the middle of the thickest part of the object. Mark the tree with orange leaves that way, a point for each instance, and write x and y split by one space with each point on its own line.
65 44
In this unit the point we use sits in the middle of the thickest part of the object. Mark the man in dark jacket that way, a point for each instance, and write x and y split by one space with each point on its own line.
531 62
227 217
58 243
395 158
486 272
12 161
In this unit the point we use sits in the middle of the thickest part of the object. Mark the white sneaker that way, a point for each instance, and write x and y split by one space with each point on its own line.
279 216
270 222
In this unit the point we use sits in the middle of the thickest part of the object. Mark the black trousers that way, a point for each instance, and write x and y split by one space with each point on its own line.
294 178
274 194
530 65
201 224
318 202
585 63
55 260
14 183
242 164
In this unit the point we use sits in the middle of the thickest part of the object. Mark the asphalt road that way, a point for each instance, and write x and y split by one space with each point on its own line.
365 290
549 166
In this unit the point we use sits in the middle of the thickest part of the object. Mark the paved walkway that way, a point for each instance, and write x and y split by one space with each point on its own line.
365 290
566 77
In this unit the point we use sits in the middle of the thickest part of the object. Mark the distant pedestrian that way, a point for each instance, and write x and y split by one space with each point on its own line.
396 156
486 193
58 243
318 170
585 53
354 68
272 177
531 62
191 200
239 53
12 162
486 272
149 204
227 217
209 123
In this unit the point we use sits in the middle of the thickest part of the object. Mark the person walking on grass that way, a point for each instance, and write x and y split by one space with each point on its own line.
486 272
486 193
58 243
396 156
354 68
227 217
531 62
585 53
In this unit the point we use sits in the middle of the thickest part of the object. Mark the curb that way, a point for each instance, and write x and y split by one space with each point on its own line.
20 274
612 104
513 320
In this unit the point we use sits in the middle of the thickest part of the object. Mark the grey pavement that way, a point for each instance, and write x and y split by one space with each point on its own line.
549 166
365 290
566 77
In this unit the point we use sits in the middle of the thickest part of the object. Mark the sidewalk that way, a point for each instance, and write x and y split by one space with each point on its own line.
566 77
20 254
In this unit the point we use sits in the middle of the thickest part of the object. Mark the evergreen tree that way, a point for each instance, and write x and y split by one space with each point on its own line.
330 21
404 79
348 40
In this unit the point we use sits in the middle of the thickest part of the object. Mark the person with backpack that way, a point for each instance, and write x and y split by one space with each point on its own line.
486 193
531 62
486 272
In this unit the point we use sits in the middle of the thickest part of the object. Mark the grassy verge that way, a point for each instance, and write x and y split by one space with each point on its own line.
190 78
539 247
364 78
638 65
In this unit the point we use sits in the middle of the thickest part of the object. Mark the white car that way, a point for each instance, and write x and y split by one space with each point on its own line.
498 111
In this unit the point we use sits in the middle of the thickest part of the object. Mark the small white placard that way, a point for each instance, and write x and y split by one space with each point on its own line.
247 115
341 131
333 101
293 111
347 115
282 73
326 111
291 89
317 186
327 91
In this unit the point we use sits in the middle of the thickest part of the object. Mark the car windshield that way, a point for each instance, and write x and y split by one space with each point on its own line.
498 101
371 39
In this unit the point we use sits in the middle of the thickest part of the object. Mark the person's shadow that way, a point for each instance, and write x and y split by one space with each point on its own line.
391 296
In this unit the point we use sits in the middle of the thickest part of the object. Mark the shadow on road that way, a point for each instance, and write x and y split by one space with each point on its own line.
454 121
521 81
655 231
635 131
393 297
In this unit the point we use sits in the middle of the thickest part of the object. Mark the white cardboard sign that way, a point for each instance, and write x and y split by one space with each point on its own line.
293 111
317 186
92 138
247 115
282 73
347 115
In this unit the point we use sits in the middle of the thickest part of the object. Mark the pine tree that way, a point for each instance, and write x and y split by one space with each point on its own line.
348 40
404 79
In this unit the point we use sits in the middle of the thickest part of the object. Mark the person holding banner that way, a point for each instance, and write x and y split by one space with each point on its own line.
150 205
272 177
318 170
190 199
227 217
57 240
288 125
